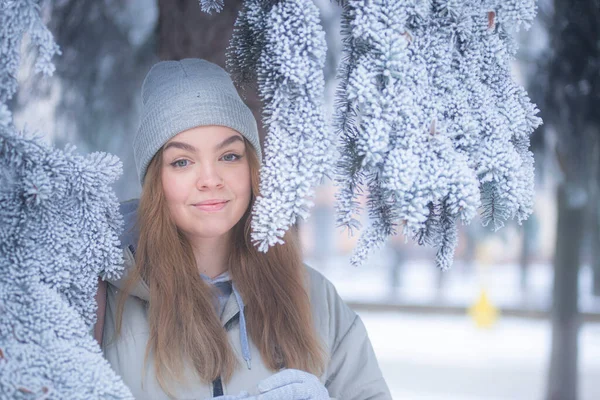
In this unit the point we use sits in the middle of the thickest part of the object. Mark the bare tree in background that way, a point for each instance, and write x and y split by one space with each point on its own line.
568 92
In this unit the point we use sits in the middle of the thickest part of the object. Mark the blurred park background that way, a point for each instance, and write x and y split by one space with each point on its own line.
518 315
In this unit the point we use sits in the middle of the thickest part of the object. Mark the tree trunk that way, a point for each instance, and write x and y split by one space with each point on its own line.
562 378
185 31
594 218
525 255
595 253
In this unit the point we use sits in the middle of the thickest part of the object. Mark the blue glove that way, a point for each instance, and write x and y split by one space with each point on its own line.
289 384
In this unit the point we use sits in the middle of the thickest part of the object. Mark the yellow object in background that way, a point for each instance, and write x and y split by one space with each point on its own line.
483 312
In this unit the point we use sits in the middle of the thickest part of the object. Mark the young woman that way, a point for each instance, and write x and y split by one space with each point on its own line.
201 313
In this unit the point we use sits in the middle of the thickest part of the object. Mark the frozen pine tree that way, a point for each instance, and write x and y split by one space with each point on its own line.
282 45
430 119
59 227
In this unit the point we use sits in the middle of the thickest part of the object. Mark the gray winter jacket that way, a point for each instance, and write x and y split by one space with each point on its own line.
352 372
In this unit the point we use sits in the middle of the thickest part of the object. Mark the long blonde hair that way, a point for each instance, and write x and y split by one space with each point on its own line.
183 323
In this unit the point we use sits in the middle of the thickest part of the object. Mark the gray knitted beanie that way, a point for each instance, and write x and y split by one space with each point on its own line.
180 95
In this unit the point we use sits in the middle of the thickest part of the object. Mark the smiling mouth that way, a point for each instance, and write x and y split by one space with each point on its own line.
211 207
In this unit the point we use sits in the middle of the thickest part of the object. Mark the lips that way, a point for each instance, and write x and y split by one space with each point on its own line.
211 205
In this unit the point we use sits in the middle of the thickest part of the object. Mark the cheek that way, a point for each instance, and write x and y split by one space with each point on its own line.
243 188
175 190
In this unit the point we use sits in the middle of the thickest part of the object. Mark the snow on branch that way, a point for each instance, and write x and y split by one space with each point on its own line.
209 6
282 44
430 119
59 227
16 19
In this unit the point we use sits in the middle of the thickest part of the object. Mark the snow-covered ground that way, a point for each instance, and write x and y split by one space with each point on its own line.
433 357
446 357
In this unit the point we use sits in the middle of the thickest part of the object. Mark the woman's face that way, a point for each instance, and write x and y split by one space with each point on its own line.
206 180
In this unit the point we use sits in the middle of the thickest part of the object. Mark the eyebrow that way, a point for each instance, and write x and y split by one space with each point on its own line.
180 145
228 141
192 149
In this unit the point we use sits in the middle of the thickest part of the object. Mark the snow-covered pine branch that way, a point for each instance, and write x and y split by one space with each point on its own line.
248 41
428 114
16 19
209 6
59 226
283 45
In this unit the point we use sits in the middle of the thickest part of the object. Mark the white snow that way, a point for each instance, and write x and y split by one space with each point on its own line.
435 357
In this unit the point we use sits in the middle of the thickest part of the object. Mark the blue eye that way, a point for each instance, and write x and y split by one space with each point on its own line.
231 157
180 163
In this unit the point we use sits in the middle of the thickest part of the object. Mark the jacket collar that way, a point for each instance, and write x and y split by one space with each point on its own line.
230 311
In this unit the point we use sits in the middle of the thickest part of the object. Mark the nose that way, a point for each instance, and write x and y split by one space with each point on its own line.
208 178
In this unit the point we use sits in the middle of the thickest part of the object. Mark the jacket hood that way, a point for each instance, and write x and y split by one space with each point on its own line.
128 243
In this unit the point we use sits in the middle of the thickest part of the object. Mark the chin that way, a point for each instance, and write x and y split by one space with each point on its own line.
210 227
211 233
